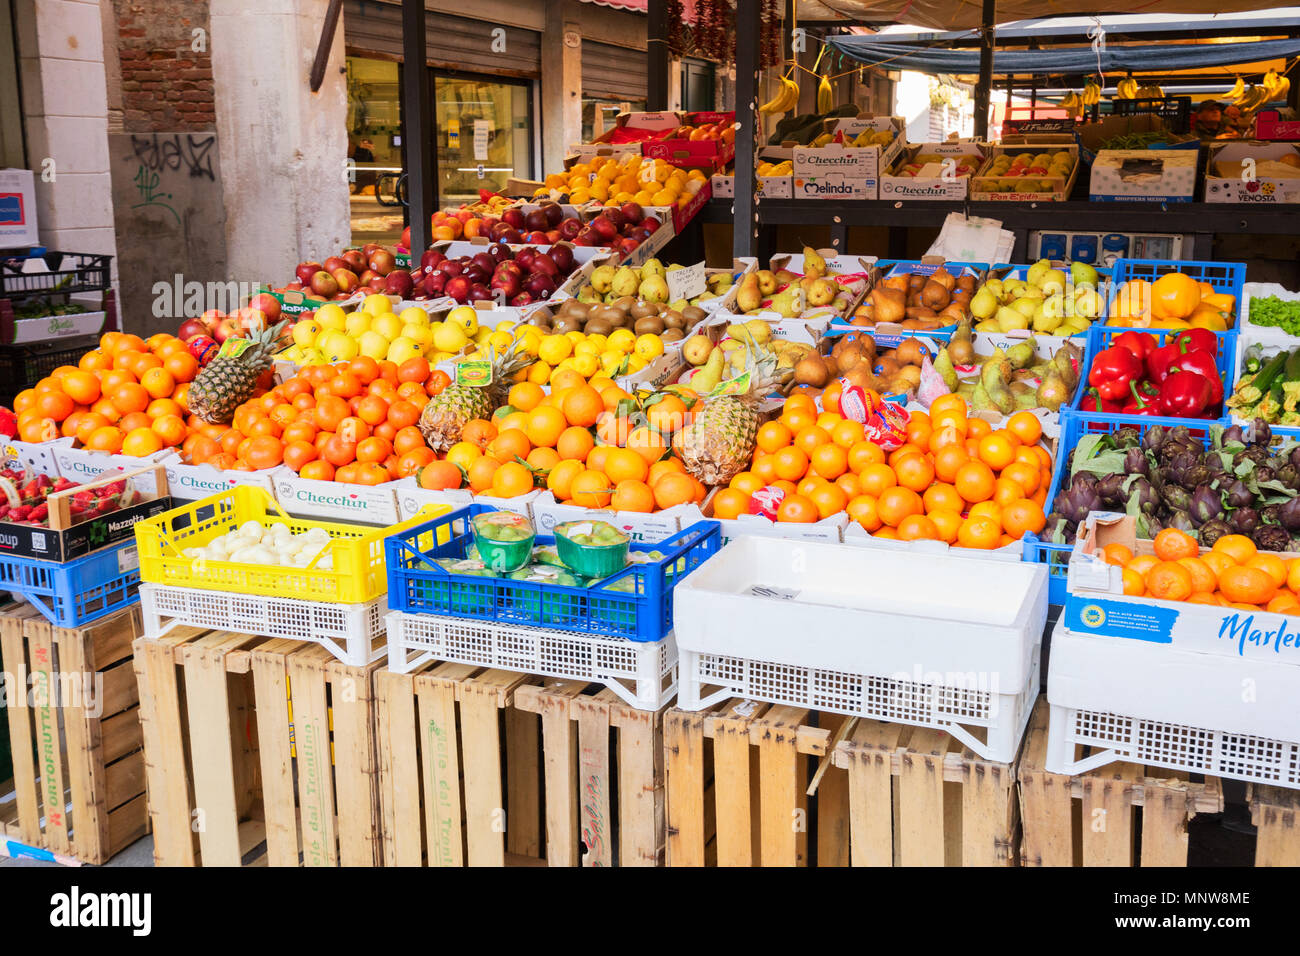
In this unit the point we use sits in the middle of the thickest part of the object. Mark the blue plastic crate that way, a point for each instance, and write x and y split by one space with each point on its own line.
1229 277
1100 337
642 612
74 593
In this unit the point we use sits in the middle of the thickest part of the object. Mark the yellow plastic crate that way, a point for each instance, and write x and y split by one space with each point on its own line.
358 574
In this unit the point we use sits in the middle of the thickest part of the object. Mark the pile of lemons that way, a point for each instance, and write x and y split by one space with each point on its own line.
620 353
374 330
631 178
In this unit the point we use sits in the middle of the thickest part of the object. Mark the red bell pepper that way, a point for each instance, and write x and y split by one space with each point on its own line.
1201 363
1112 371
1184 395
1139 343
1202 339
1093 402
1144 400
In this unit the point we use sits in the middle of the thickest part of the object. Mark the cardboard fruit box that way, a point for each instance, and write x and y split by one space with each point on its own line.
66 538
990 186
1143 175
945 175
604 145
707 154
1270 125
1253 172
1096 605
883 155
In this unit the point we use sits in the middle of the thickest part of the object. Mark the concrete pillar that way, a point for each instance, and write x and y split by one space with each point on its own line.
283 148
561 84
674 84
61 65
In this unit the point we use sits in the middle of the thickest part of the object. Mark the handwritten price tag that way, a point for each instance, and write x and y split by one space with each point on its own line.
686 282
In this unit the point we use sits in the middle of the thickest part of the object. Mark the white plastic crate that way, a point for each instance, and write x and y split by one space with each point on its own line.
933 640
348 631
642 674
1152 703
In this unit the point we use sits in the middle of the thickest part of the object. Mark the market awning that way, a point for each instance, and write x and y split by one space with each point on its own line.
949 15
1069 60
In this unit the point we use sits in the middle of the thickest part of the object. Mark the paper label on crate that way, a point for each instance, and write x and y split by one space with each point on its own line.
128 559
778 594
745 708
233 348
1143 622
686 282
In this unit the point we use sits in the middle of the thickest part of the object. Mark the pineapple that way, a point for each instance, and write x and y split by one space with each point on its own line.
719 443
228 381
445 416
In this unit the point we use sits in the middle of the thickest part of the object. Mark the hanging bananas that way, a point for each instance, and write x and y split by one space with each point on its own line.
785 100
1091 94
1073 103
1238 88
825 96
1127 88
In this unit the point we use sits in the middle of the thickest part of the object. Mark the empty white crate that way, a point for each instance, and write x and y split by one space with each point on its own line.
643 674
348 631
933 640
1155 703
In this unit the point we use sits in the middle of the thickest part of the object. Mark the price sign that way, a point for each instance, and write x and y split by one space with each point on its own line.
686 282
482 129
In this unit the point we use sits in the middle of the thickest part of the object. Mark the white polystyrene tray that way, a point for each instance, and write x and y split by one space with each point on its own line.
863 610
1267 334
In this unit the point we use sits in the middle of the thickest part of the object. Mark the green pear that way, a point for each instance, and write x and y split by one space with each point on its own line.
1013 289
1083 274
653 289
1050 314
988 325
994 287
675 266
1010 318
1088 305
602 278
625 282
984 304
679 304
651 267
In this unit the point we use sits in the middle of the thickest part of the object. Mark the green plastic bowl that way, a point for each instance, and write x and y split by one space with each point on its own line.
500 555
589 560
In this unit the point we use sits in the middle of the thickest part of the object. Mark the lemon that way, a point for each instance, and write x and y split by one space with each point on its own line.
586 365
449 336
612 363
622 340
555 349
436 357
575 336
387 325
506 325
649 347
414 315
331 316
635 364
539 373
373 344
356 323
598 340
377 304
420 334
338 347
500 341
465 318
482 335
587 348
403 349
305 331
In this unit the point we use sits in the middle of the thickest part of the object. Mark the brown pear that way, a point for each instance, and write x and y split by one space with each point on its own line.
890 305
944 278
934 295
896 282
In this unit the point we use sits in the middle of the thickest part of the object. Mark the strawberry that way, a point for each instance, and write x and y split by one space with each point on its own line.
40 513
21 512
62 484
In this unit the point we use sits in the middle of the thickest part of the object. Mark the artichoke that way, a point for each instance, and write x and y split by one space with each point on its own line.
1263 434
1076 503
1289 475
1154 438
1135 462
1143 495
1176 497
1264 473
1212 531
1206 505
1232 436
1271 537
1244 520
1182 521
1271 514
1239 496
1126 437
1111 490
1057 529
1288 515
1295 456
1198 474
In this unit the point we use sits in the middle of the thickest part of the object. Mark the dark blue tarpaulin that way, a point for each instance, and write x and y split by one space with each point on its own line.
1164 57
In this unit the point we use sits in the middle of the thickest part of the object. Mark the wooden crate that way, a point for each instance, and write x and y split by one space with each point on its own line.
1276 815
231 779
78 786
762 785
1092 819
489 767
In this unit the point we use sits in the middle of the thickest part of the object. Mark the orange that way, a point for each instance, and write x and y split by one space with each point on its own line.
918 433
647 443
57 405
1134 585
1143 563
764 467
942 497
974 481
140 442
317 471
1169 581
947 460
37 429
1005 491
808 439
1216 561
674 488
337 451
1026 476
298 453
864 453
630 495
344 385
583 405
790 463
545 426
1247 585
181 366
996 451
987 509
591 489
810 484
87 424
1271 565
478 432
510 444
895 504
559 482
524 396
729 503
829 499
917 527
862 509
575 443
950 421
1236 546
170 428
979 532
511 480
158 382
847 433
797 509
745 481
915 472
543 459
406 412
797 419
667 415
773 435
1172 544
1203 578
674 465
265 452
1117 554
901 452
371 409
947 522
949 402
875 479
482 473
622 464
1026 427
1284 602
373 449
829 461
849 484
1292 576
81 387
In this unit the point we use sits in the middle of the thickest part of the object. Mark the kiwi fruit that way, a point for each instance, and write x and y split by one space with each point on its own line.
693 314
649 325
673 335
674 320
541 319
597 326
643 310
566 323
624 303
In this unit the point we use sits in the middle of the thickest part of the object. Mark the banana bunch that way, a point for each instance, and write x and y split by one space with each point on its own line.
1127 88
785 168
874 137
823 140
1091 94
1253 97
1073 102
825 96
1150 93
1276 85
1237 92
785 100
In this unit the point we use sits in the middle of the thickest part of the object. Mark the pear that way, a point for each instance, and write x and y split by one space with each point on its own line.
1009 319
679 304
654 289
783 304
759 331
994 288
820 292
1026 306
814 264
625 282
1083 274
749 297
1088 304
766 281
602 278
1053 280
709 377
1013 289
697 349
1050 314
651 267
984 304
1036 272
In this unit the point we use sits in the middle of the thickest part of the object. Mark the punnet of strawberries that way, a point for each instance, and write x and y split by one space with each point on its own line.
32 491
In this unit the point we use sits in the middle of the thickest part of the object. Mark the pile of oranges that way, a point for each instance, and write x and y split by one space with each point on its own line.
956 479
1233 573
581 442
353 422
126 396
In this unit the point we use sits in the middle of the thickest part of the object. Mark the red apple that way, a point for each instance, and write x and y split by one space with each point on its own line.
210 318
382 261
568 228
324 285
355 260
346 279
268 304
335 262
399 283
225 329
458 288
306 270
191 329
632 212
